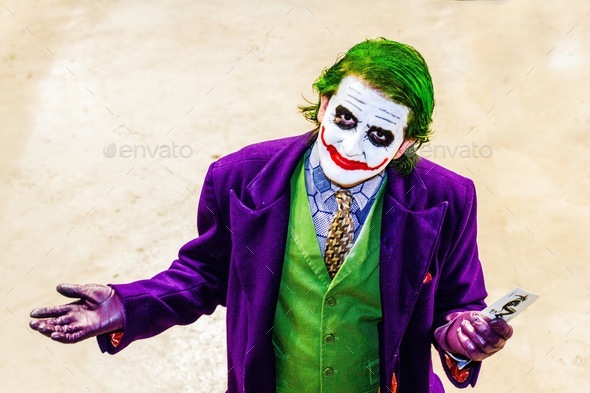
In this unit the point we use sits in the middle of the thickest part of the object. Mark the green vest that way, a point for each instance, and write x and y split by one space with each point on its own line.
325 331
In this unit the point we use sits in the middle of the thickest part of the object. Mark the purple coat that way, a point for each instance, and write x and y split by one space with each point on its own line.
428 229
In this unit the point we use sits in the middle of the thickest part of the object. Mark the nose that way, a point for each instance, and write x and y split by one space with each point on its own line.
352 144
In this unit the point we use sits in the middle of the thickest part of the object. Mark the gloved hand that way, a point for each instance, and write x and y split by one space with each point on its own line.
472 335
99 310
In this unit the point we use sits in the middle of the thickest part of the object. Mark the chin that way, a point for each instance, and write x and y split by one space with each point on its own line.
347 184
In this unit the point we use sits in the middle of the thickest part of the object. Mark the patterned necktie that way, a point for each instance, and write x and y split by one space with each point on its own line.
340 234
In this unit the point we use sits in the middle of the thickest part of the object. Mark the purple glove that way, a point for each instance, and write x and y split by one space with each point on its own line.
472 335
99 310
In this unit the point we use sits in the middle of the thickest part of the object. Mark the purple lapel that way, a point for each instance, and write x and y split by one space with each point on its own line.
259 223
408 240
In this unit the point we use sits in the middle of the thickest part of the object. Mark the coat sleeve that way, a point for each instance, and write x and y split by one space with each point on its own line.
195 283
461 286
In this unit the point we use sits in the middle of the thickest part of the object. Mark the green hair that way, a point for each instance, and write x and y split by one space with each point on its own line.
400 73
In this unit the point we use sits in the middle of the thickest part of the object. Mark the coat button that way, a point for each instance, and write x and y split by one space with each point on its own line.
331 302
329 338
328 372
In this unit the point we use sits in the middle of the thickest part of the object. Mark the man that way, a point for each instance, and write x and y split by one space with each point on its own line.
339 254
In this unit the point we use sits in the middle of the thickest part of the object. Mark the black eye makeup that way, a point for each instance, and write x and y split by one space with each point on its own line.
380 137
344 118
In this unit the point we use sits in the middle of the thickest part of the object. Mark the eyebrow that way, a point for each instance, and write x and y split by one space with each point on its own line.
353 104
387 120
389 113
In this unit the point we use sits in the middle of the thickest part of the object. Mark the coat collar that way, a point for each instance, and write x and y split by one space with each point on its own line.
273 180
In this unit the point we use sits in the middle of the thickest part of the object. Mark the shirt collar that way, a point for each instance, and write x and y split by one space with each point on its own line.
318 182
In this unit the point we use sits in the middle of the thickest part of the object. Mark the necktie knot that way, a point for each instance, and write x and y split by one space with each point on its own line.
344 200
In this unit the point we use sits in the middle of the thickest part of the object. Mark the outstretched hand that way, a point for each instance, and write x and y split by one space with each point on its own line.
97 311
473 335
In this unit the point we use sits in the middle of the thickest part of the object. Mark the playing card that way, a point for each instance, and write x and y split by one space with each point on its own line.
510 305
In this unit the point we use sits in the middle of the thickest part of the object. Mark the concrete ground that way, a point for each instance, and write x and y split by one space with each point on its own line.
111 111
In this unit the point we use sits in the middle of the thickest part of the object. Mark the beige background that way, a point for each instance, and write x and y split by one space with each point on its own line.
513 92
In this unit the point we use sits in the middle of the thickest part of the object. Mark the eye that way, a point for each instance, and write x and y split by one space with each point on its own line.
380 137
344 119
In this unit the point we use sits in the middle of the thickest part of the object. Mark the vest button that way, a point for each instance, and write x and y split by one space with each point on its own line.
329 338
328 372
331 302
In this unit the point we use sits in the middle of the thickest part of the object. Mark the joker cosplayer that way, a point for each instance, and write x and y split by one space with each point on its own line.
339 254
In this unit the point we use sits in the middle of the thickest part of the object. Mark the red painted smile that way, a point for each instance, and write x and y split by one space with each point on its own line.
345 163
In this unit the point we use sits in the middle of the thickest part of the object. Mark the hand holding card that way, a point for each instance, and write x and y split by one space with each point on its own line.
472 335
478 335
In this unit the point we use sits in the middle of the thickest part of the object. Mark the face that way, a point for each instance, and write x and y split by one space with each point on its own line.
361 131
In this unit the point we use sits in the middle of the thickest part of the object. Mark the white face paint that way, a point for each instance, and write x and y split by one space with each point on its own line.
361 131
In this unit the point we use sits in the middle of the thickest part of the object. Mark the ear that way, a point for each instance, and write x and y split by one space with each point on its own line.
322 109
404 146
